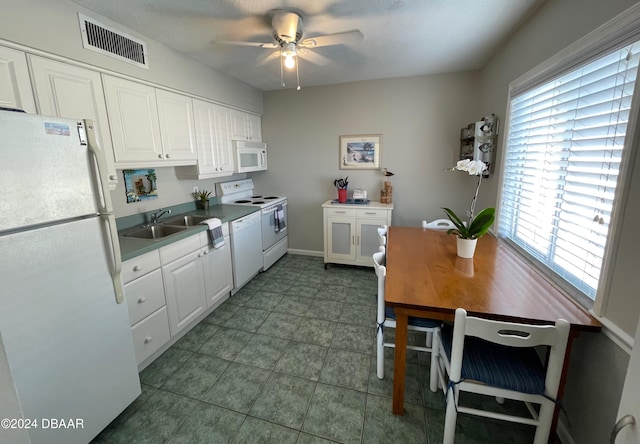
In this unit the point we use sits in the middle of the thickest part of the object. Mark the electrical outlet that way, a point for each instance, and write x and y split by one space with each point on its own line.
195 189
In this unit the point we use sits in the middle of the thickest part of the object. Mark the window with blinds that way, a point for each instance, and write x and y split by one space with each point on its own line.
562 160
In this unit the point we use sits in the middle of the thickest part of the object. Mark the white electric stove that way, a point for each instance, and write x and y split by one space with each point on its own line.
273 211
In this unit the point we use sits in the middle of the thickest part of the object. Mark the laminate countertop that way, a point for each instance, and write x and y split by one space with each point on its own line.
131 247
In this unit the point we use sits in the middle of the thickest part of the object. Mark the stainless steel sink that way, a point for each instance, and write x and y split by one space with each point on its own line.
186 221
154 231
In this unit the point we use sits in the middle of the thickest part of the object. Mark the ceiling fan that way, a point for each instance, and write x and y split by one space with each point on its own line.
287 31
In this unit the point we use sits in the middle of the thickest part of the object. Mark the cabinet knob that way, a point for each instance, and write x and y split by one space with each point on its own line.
142 300
205 252
167 156
147 339
160 156
137 268
113 177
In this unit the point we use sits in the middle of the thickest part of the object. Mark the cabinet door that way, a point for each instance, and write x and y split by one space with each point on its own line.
254 128
367 241
184 290
218 275
205 136
341 238
223 149
238 125
175 113
133 117
15 89
76 93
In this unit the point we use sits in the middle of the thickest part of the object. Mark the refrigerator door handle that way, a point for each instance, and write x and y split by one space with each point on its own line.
106 207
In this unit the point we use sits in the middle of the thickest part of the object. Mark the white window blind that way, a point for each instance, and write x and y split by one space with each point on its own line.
562 160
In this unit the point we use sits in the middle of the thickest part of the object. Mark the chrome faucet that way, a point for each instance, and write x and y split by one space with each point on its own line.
155 217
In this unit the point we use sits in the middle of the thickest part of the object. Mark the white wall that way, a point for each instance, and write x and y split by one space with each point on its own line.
598 366
419 119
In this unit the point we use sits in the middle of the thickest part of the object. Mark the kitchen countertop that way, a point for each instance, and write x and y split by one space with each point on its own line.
131 247
372 203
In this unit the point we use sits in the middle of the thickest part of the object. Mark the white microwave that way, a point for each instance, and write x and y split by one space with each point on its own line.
250 156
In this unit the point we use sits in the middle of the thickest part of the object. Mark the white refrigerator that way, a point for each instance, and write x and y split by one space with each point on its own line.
65 332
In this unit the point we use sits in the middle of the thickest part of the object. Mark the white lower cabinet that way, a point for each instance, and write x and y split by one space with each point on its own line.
144 294
183 274
218 274
351 231
170 289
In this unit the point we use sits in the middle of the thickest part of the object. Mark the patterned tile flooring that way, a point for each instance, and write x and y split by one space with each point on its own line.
291 358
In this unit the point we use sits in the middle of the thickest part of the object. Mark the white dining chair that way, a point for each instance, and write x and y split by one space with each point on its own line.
386 318
499 359
382 235
440 224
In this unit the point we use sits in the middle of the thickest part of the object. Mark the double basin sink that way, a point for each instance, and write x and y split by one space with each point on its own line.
164 228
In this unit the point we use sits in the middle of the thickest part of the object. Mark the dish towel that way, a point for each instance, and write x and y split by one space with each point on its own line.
215 231
279 223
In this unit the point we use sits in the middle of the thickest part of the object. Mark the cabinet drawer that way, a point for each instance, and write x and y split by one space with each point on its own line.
144 295
343 212
150 334
139 266
372 213
178 249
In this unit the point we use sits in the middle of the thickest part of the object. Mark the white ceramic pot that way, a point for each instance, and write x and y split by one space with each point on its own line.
466 247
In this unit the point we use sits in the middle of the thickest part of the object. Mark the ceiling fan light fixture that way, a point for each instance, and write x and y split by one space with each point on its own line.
289 53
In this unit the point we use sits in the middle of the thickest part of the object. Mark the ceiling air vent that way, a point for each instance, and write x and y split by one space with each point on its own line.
108 41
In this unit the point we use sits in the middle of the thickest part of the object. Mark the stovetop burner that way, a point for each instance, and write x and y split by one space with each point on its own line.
257 202
242 201
271 197
256 197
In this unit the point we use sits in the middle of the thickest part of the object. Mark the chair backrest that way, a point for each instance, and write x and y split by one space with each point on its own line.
512 335
382 234
381 271
440 224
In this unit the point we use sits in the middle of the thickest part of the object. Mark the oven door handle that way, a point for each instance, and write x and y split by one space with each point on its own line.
272 209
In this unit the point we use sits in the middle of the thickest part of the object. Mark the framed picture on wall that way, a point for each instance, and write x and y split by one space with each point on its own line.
360 152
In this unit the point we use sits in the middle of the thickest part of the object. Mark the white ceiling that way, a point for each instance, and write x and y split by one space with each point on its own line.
401 37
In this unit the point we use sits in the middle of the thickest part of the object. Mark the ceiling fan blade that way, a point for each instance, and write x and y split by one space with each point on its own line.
313 57
339 38
267 58
255 44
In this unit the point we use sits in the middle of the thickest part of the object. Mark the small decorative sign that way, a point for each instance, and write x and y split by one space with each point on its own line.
360 152
140 185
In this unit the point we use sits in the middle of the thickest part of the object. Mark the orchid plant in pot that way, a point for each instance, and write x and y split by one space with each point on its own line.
469 231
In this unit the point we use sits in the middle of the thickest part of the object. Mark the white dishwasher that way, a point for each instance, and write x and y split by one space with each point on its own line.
246 249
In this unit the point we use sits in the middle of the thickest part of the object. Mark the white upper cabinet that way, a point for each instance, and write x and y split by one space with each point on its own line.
133 117
213 140
149 126
175 112
15 88
245 126
76 93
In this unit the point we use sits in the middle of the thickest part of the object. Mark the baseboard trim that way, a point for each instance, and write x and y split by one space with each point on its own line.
305 252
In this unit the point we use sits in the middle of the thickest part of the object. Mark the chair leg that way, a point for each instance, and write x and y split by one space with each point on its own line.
545 417
380 351
450 419
435 350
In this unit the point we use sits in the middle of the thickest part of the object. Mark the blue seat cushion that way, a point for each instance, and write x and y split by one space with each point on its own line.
512 368
416 322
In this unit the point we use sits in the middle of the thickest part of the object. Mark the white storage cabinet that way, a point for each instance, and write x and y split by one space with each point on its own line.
351 231
144 294
213 142
149 126
15 89
72 92
218 274
245 126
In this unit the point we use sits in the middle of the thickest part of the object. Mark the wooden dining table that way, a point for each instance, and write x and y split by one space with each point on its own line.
426 278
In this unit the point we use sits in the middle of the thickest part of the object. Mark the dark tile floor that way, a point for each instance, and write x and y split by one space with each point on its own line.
291 358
